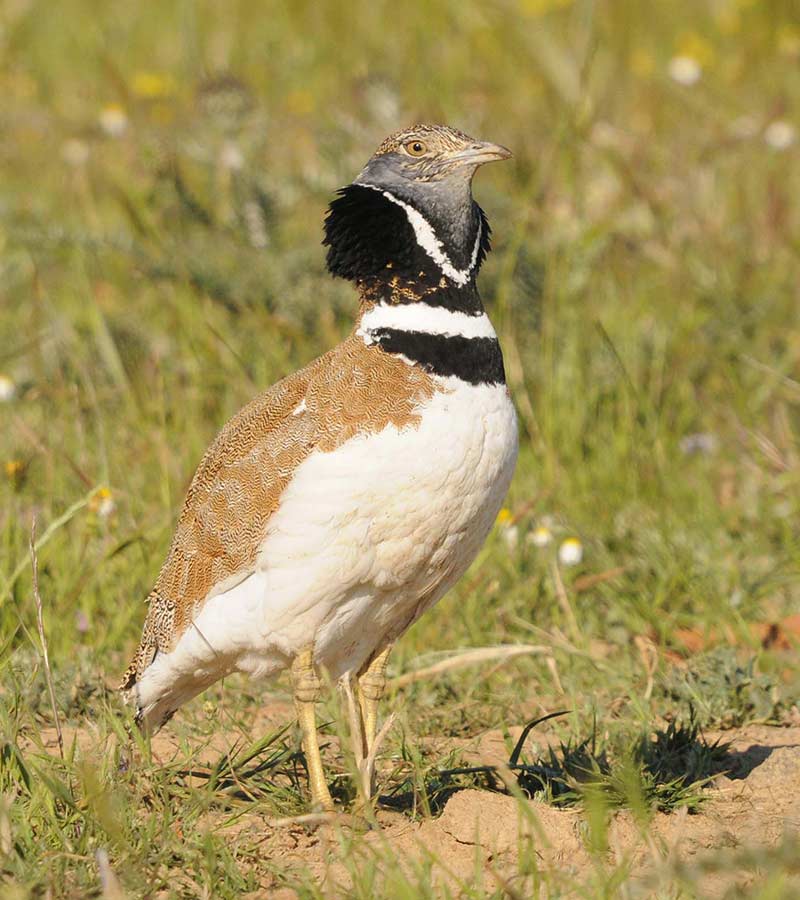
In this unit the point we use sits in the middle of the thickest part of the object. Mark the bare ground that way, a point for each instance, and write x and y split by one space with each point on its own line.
755 805
480 834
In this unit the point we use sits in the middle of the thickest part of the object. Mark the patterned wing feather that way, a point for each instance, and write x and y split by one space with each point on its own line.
239 482
232 495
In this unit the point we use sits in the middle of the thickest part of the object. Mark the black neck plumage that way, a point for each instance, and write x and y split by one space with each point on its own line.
397 259
476 360
373 235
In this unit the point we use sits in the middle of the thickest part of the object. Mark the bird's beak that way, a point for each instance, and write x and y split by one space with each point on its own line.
481 152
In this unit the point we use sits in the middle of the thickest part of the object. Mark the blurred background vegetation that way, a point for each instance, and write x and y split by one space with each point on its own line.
164 171
166 168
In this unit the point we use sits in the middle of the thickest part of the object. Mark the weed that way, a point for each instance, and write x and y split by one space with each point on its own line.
724 692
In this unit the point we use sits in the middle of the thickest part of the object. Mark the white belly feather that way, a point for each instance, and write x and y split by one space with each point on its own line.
365 539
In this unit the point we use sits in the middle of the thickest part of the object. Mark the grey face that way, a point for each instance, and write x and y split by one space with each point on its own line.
431 167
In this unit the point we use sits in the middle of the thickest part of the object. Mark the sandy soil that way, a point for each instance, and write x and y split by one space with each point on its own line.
754 805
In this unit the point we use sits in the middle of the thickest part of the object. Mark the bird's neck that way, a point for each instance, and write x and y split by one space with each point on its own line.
445 330
378 237
425 291
416 279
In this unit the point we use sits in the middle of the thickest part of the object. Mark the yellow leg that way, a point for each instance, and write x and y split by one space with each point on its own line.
371 685
306 685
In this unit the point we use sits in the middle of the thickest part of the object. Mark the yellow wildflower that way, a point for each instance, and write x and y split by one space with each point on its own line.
152 85
542 7
505 516
696 47
14 469
300 102
789 40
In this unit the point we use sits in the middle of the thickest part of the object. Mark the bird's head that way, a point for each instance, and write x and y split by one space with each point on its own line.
411 208
427 160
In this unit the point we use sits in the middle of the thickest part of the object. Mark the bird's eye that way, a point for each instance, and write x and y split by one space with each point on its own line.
415 148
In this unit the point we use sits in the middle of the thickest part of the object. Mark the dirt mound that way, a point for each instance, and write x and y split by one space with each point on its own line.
481 834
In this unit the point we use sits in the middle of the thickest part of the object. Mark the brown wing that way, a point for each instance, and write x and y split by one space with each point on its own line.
234 491
239 481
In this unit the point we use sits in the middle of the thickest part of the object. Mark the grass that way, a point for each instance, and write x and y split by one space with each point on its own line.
645 286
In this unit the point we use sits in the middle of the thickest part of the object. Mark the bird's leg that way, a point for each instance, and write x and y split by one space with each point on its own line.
371 685
306 686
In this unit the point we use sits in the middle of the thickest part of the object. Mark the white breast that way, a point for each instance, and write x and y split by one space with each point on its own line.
365 539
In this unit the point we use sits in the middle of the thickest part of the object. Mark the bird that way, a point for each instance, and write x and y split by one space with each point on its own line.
342 503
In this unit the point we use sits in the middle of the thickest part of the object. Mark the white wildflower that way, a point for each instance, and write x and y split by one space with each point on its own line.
230 157
570 553
75 152
511 536
780 134
685 70
102 503
256 225
540 536
701 443
113 120
8 389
